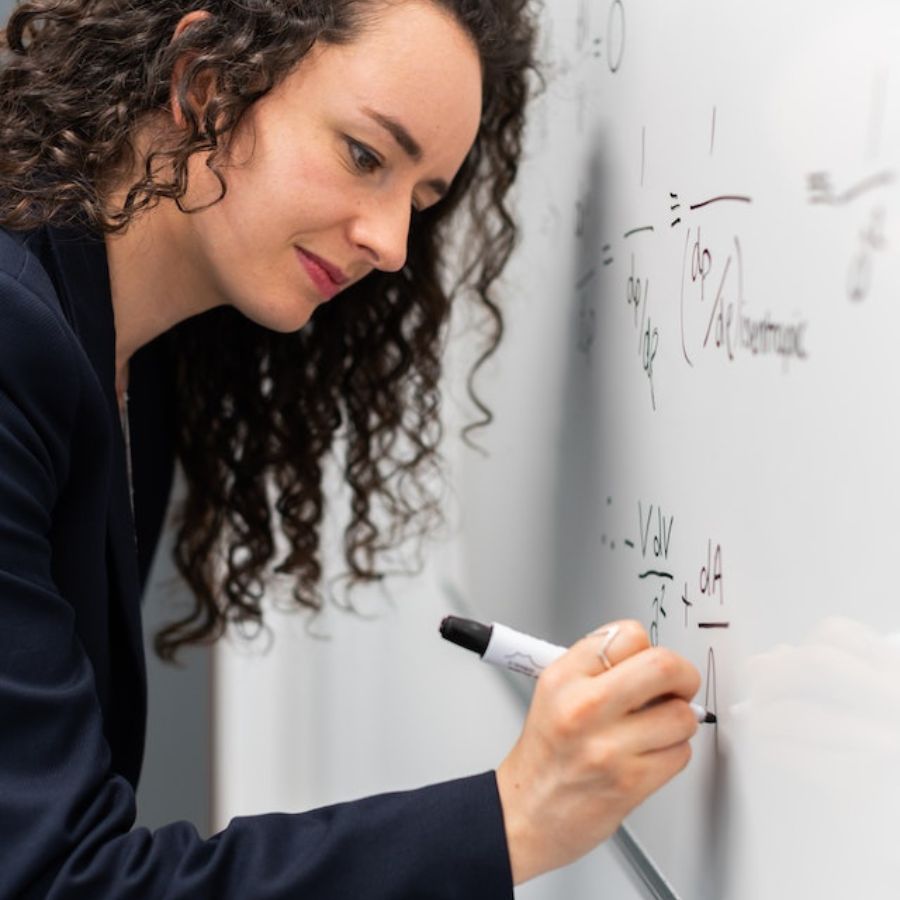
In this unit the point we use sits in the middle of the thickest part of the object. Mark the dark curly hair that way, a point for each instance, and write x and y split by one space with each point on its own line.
260 412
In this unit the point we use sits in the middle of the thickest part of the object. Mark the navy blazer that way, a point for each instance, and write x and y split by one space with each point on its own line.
72 681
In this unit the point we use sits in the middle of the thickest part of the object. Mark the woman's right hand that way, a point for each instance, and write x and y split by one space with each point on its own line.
596 742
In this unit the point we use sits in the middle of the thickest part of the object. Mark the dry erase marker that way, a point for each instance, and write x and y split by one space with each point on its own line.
513 650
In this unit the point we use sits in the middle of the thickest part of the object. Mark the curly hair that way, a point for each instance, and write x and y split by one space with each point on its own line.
259 412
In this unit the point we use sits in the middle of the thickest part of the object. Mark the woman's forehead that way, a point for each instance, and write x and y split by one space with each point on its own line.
412 64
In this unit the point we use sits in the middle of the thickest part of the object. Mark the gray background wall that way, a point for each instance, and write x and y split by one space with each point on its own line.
176 781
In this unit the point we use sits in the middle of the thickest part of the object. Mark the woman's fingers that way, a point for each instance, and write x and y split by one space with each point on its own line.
603 649
646 677
660 726
661 766
616 670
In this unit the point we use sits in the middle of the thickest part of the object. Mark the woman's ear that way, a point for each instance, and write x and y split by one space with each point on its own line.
200 91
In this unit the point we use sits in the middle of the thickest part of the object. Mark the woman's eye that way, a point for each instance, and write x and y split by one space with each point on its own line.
363 158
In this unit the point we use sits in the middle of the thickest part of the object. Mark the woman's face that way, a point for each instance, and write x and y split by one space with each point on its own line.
326 169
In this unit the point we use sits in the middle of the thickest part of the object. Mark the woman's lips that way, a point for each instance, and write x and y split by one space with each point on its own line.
326 278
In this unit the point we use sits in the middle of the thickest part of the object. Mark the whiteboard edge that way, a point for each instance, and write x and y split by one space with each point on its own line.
642 865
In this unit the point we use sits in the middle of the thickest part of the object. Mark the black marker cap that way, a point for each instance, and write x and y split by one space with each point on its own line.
466 633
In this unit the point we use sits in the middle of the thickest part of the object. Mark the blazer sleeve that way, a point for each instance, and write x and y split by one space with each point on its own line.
66 818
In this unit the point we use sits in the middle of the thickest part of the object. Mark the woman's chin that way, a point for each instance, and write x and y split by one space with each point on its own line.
284 318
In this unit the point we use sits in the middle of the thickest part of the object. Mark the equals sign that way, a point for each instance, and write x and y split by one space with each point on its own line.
673 207
596 51
606 251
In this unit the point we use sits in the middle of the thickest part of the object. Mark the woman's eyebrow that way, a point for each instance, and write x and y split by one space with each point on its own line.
407 142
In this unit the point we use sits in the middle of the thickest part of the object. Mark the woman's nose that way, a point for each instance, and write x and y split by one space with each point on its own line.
383 231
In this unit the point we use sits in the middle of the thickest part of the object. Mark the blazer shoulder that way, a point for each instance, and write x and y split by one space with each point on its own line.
20 263
29 303
41 368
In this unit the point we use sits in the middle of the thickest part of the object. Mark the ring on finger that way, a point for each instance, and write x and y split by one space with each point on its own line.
608 635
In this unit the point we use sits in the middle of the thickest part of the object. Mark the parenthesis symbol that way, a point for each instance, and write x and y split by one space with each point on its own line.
687 240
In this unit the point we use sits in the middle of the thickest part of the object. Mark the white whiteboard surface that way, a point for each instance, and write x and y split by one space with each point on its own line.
697 404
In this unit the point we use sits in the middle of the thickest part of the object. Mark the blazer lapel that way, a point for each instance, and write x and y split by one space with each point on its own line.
82 282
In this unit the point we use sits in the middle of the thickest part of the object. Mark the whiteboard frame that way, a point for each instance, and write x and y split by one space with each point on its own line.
651 878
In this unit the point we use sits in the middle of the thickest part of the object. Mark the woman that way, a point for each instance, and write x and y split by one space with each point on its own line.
185 187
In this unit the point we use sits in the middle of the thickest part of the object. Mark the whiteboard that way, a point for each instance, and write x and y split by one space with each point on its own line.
696 423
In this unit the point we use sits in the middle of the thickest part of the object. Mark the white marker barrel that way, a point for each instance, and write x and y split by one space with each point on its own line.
520 652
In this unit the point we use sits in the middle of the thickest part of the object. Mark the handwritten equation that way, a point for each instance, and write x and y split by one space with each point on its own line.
871 240
730 310
715 316
695 599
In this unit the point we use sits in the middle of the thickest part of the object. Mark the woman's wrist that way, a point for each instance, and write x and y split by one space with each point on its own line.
523 858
